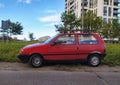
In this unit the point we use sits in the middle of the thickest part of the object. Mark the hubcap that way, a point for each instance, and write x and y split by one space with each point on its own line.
94 61
36 61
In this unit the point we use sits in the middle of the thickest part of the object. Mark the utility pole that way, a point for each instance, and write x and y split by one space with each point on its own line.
82 14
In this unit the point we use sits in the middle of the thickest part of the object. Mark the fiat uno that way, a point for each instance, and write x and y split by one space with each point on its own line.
66 46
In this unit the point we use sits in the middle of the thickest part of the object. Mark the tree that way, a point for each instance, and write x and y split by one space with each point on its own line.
107 30
111 29
60 27
15 28
116 28
92 22
12 28
69 22
31 36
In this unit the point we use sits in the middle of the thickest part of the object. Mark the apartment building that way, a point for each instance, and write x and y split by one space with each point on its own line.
107 9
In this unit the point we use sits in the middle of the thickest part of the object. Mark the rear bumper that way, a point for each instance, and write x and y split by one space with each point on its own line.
23 58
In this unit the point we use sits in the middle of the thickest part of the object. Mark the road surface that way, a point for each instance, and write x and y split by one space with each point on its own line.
22 74
58 78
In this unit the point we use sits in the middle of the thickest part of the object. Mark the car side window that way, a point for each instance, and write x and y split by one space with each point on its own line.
66 39
87 39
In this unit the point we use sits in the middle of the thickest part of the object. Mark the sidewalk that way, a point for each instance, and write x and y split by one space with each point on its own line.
6 66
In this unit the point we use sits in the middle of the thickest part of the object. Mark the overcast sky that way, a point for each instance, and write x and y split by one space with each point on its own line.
36 16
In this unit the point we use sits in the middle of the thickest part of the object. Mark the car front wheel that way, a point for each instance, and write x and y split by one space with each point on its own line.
36 61
94 60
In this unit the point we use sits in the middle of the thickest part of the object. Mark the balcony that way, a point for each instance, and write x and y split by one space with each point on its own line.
116 12
115 15
116 1
71 2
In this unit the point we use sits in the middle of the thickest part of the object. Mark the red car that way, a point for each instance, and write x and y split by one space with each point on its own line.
65 47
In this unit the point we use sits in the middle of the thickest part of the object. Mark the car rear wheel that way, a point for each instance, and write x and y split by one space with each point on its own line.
36 61
94 60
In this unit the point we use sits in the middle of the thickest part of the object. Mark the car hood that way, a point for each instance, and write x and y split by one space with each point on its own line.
33 45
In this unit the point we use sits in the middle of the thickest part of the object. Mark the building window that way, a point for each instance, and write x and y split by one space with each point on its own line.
104 19
104 11
91 4
110 2
116 2
85 3
115 12
109 20
109 11
106 2
105 14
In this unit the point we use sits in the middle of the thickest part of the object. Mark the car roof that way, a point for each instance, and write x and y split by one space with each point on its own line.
77 32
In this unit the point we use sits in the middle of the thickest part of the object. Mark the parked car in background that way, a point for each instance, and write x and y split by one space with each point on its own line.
85 46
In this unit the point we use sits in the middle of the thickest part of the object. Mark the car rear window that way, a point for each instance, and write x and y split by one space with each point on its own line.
87 39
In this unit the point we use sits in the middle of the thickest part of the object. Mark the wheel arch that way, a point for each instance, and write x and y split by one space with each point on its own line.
93 53
36 54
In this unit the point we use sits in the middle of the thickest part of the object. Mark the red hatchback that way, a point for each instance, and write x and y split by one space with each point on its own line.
64 47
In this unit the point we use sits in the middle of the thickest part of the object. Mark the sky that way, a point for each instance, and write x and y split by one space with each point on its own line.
36 16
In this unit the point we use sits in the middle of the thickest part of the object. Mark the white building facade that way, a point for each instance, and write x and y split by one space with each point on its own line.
107 9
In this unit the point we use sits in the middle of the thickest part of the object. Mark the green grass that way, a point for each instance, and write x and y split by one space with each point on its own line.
9 52
113 55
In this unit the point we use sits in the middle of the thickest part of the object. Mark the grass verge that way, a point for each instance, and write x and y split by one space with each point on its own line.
9 52
113 55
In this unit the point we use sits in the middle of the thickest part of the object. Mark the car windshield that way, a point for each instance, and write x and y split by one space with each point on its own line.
50 39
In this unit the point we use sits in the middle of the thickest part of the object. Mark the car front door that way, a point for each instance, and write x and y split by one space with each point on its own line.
63 48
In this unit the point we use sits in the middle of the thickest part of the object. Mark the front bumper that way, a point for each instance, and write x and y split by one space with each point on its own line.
23 58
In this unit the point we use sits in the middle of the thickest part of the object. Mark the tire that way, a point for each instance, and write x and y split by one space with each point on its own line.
94 60
36 61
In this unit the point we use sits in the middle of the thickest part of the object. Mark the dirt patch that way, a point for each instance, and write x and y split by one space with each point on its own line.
57 67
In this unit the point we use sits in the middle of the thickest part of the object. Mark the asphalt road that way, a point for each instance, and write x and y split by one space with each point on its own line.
58 78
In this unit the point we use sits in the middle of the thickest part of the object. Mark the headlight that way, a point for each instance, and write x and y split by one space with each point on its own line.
20 52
